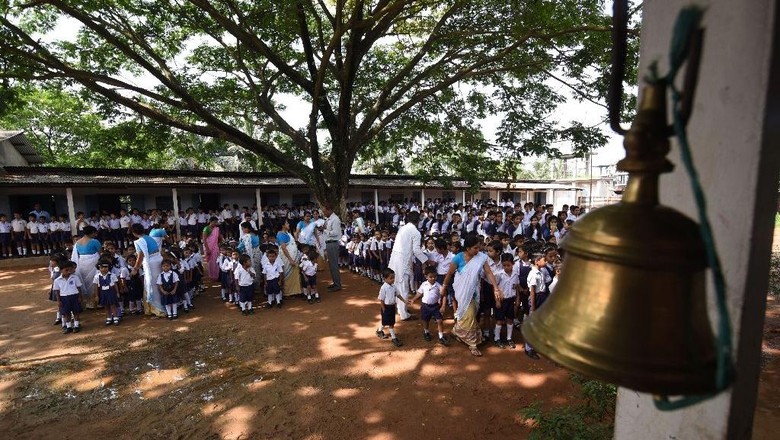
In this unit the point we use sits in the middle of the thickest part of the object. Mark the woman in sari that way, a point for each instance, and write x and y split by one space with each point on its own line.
288 252
86 253
304 231
150 260
467 267
250 245
211 241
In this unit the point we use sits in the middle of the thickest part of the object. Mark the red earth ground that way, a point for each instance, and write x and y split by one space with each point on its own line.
302 372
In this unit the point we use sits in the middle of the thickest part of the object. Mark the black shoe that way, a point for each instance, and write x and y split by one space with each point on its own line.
186 310
532 354
76 329
511 344
170 317
330 286
269 305
499 344
443 341
175 316
427 336
57 321
397 342
334 289
251 311
309 300
279 305
67 330
243 312
380 334
317 299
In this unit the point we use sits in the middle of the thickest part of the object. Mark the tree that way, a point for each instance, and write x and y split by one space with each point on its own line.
381 78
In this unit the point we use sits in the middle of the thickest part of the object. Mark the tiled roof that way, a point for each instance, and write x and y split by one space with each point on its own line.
22 145
80 177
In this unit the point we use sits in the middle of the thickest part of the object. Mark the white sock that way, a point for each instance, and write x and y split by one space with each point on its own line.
222 293
380 328
67 324
392 333
76 323
175 309
509 332
19 250
497 333
426 331
316 294
441 335
242 304
278 297
249 305
169 309
59 315
25 251
270 299
139 305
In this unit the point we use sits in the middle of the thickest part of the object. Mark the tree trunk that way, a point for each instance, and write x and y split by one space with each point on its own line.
335 194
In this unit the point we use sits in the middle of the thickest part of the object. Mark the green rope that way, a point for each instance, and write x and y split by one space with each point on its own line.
687 23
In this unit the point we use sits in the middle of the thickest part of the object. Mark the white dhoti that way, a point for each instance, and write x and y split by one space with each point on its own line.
403 287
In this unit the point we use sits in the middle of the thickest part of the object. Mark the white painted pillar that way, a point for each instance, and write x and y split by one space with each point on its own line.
376 206
464 197
175 195
259 205
422 198
734 135
71 210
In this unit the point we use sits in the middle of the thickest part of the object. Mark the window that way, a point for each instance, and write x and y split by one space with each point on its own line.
125 203
301 199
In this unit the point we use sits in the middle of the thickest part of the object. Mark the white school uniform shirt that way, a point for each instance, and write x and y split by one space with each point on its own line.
125 221
55 226
227 263
443 262
65 226
18 225
124 273
43 228
203 217
387 294
308 267
351 245
536 280
553 284
68 287
146 223
192 219
114 223
103 223
431 293
273 270
171 276
244 276
113 280
5 228
508 282
32 227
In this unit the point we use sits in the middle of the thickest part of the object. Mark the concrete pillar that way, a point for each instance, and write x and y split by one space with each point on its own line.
376 206
258 202
71 210
734 133
464 197
175 195
422 198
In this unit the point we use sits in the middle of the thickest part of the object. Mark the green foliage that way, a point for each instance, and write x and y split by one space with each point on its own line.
592 418
385 84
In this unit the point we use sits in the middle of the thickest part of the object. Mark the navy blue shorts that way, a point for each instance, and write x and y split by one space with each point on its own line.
272 287
506 311
5 238
65 236
487 299
70 304
428 311
19 238
311 280
388 315
246 293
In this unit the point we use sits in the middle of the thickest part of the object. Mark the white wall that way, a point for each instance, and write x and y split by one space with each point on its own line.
734 137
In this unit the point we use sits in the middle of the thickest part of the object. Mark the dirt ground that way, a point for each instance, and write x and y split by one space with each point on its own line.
303 372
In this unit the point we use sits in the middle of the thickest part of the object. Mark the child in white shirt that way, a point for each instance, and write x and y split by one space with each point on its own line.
387 301
309 269
245 277
432 303
274 278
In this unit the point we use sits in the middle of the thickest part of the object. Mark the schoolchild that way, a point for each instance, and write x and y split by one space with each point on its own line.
32 234
504 312
387 306
66 236
67 290
55 260
274 281
222 263
134 286
245 278
19 234
5 237
106 289
443 258
487 298
187 263
309 269
169 284
538 294
432 305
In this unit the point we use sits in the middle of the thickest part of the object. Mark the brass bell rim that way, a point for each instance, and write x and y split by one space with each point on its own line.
644 375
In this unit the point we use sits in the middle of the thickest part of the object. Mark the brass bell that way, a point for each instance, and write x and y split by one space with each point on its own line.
630 305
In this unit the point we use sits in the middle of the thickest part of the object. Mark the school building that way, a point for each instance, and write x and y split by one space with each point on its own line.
70 190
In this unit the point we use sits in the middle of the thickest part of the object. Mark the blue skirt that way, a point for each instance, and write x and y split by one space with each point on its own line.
108 297
170 299
70 304
246 293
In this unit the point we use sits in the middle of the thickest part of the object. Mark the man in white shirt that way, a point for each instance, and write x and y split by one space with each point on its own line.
405 248
332 234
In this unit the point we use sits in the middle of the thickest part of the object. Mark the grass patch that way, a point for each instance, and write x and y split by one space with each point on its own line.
592 418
